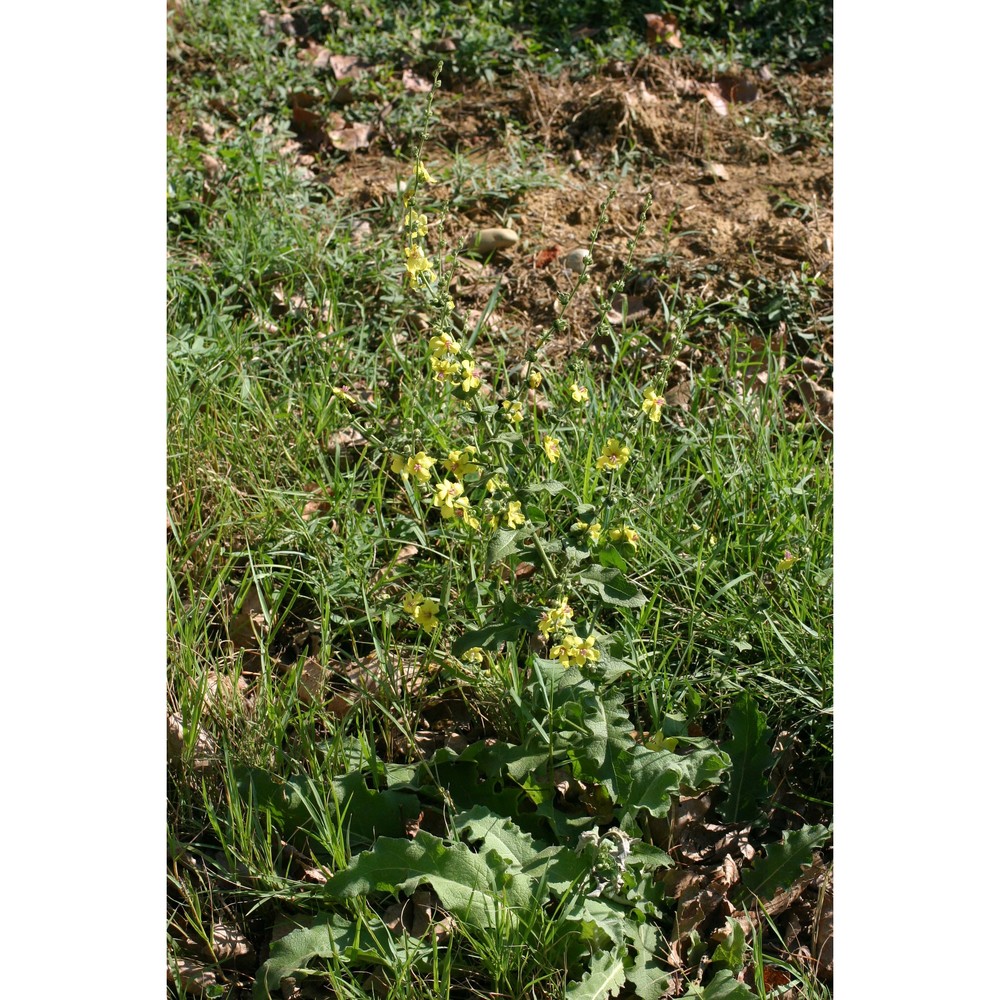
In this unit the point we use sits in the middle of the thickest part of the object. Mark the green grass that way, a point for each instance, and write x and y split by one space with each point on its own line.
271 307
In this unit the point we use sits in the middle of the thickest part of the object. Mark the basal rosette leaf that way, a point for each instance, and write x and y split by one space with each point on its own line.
605 978
475 888
750 751
781 865
658 777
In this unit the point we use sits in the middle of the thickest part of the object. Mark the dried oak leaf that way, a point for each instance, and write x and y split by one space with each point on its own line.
660 28
351 138
712 92
416 84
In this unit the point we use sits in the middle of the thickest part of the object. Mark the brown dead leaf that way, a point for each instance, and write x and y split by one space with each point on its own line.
247 628
412 826
713 94
347 440
416 84
820 399
662 29
347 67
312 680
351 138
192 977
545 257
443 45
231 946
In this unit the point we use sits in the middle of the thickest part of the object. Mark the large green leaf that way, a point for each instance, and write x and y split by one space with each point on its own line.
605 979
782 864
724 986
504 543
496 833
648 976
612 587
657 777
296 803
476 888
750 752
326 935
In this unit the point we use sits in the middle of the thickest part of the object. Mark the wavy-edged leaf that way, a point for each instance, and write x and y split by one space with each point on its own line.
325 935
724 986
476 888
496 833
750 752
648 976
781 865
504 543
605 979
657 777
490 638
611 586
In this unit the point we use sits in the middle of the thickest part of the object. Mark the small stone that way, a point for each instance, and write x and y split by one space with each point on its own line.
487 241
576 260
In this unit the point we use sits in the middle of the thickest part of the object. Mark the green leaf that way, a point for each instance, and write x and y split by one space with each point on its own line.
750 752
724 986
647 975
490 638
732 949
782 864
659 776
499 834
325 935
550 486
609 584
476 888
504 543
297 804
605 979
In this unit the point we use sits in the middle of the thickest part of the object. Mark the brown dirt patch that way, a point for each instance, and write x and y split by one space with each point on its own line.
735 198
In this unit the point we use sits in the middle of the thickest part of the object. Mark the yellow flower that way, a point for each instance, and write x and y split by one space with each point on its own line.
573 651
411 602
420 172
551 448
416 264
555 618
463 511
614 455
416 223
652 405
625 533
495 483
459 463
470 380
513 410
443 368
787 562
447 492
580 393
474 655
444 344
535 379
426 615
514 515
399 466
420 466
593 529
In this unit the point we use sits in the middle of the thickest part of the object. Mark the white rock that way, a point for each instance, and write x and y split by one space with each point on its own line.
487 241
576 260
